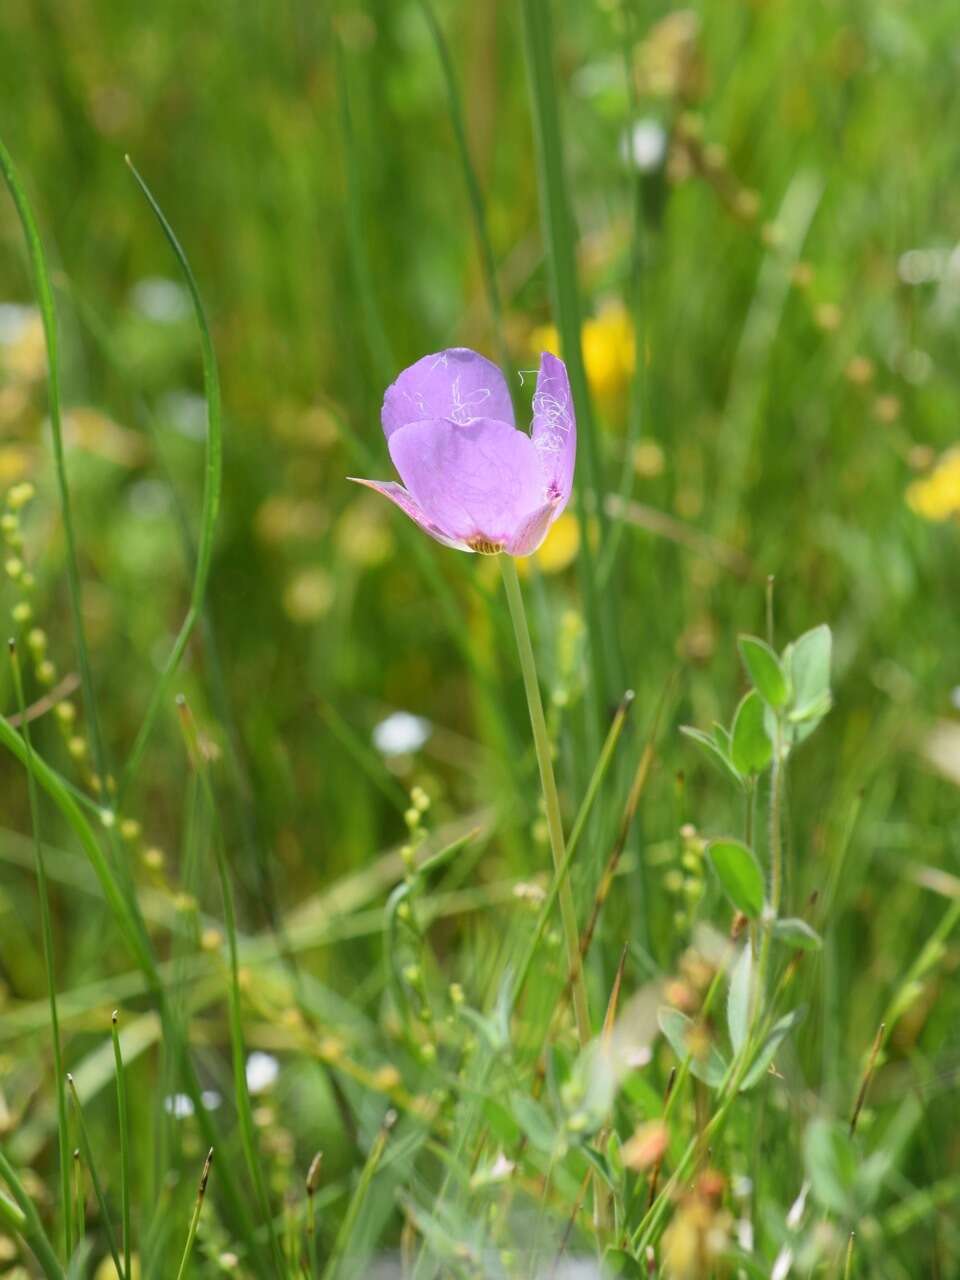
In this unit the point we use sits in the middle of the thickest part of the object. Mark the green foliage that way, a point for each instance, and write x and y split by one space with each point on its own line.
767 373
739 873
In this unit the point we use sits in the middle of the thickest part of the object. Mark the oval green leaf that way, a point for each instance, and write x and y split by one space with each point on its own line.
739 873
750 747
764 669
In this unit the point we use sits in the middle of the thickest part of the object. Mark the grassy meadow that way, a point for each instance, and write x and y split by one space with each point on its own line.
276 872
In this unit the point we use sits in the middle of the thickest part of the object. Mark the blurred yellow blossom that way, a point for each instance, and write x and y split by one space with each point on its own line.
308 595
559 549
14 464
363 535
609 350
283 518
667 63
937 496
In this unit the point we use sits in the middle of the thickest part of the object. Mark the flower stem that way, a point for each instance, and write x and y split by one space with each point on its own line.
551 800
776 804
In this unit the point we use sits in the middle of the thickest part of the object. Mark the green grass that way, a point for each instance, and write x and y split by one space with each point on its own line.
352 187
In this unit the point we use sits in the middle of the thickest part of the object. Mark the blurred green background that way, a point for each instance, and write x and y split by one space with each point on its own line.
767 203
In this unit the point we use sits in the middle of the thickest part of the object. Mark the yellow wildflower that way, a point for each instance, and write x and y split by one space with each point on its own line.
937 496
609 350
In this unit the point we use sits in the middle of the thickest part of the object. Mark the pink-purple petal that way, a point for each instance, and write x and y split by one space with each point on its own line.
554 431
534 529
479 483
398 495
457 384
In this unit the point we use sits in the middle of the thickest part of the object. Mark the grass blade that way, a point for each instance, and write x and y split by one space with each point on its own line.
234 1004
123 1117
212 483
41 280
87 1150
46 929
474 192
195 1217
560 244
24 1219
332 1268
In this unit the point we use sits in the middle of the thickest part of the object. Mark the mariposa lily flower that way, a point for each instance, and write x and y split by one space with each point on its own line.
471 479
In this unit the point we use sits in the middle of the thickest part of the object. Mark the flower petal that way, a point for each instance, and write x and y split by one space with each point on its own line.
398 494
457 384
554 431
533 531
479 483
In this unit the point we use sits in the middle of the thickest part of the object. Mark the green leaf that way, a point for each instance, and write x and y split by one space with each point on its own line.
770 1046
713 750
750 747
764 669
740 874
677 1027
534 1121
797 933
739 998
617 1262
831 1161
809 665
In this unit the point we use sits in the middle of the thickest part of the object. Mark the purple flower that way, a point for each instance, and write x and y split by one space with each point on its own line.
470 478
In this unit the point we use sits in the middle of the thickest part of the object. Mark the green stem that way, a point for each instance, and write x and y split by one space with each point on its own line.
359 1196
474 192
212 484
24 1219
122 1116
195 1217
41 280
46 930
551 799
776 805
560 245
87 1149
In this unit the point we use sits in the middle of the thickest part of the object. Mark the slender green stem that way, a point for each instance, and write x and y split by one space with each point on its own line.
212 483
596 781
235 1010
79 1193
87 1149
24 1219
474 191
46 930
359 1196
195 1216
560 244
776 805
122 1115
551 799
41 280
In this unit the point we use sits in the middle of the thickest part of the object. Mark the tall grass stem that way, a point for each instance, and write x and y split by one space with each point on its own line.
551 799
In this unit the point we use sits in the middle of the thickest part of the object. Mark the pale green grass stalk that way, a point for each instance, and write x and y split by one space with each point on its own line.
41 280
541 739
478 210
195 1217
46 930
78 1190
332 1269
600 770
212 483
136 938
24 1219
248 1136
86 1148
561 249
124 1134
374 328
